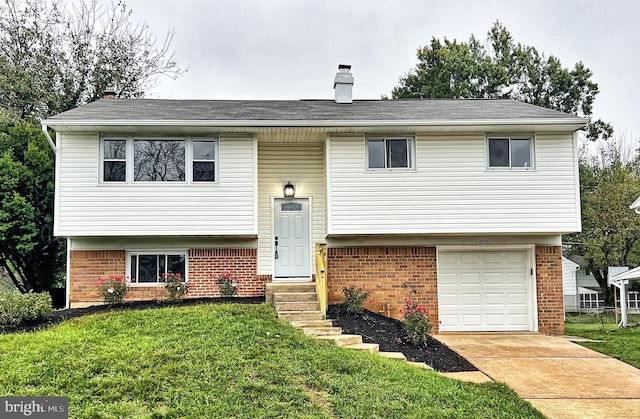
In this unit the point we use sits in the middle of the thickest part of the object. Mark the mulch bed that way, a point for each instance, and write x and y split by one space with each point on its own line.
60 315
390 335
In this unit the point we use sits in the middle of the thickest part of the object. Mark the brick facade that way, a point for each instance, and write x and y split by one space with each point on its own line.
393 273
204 264
549 286
86 266
396 273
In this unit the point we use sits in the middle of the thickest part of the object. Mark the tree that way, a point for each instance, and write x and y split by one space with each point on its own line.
504 69
28 251
610 230
53 59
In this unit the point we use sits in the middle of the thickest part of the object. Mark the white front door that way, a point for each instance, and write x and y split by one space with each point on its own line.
291 239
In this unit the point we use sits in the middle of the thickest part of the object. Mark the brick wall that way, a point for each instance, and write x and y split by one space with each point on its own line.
241 263
88 265
549 286
85 269
393 273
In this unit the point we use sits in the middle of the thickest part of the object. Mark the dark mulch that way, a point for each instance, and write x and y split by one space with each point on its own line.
60 315
390 335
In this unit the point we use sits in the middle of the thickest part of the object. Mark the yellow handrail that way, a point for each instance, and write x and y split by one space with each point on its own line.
321 276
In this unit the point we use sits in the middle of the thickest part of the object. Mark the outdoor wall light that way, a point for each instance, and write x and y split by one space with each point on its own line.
289 190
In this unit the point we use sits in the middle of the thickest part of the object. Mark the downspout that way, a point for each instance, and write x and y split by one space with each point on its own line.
45 130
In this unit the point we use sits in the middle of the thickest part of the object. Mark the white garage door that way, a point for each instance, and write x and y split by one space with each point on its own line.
484 291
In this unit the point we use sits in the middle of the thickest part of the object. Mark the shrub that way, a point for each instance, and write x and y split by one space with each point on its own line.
176 286
17 309
354 298
112 290
227 284
415 322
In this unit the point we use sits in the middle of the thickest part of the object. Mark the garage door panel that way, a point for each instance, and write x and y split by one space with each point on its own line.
471 299
470 278
484 291
494 278
472 320
495 299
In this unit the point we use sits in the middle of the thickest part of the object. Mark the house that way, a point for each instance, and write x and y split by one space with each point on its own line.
570 285
456 204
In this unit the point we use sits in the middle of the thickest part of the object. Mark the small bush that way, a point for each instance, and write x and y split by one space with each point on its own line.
354 298
112 290
227 284
176 286
18 309
416 323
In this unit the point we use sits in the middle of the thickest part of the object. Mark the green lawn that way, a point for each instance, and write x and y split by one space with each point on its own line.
228 361
623 344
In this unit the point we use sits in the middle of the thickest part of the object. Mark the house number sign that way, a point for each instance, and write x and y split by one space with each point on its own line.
291 206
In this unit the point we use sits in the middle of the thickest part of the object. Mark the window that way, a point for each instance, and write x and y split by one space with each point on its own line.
591 301
390 153
204 161
115 160
133 160
158 160
510 152
147 268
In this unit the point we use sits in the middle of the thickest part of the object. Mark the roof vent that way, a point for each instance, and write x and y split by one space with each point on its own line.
343 84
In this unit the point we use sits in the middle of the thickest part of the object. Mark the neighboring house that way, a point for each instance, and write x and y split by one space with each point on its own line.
457 204
582 294
569 285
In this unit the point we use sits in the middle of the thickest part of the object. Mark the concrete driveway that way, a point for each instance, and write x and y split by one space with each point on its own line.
560 378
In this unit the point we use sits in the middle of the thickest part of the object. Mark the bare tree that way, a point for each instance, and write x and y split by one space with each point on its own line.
54 58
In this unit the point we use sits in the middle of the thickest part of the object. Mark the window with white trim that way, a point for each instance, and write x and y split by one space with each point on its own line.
114 162
148 267
390 153
204 161
137 160
510 152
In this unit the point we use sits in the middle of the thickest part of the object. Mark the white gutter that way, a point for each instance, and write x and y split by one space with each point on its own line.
315 123
45 130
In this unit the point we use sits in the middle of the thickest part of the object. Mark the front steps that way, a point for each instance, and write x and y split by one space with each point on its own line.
297 303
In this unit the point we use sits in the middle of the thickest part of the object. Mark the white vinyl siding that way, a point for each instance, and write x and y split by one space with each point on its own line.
303 165
451 190
87 207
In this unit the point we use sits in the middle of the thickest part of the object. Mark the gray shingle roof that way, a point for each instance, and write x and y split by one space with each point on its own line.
308 110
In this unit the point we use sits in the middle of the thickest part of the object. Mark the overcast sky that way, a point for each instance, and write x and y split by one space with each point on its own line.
290 49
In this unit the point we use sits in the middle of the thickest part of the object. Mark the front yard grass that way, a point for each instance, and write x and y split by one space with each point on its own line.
227 361
623 344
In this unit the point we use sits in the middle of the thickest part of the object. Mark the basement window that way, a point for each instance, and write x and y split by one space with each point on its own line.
148 268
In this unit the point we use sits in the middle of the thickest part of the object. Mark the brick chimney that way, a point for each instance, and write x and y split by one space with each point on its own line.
343 84
109 93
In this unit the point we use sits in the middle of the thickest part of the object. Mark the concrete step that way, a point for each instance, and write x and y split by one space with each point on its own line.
420 365
311 323
285 287
319 331
393 355
342 340
286 297
297 306
367 347
300 315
